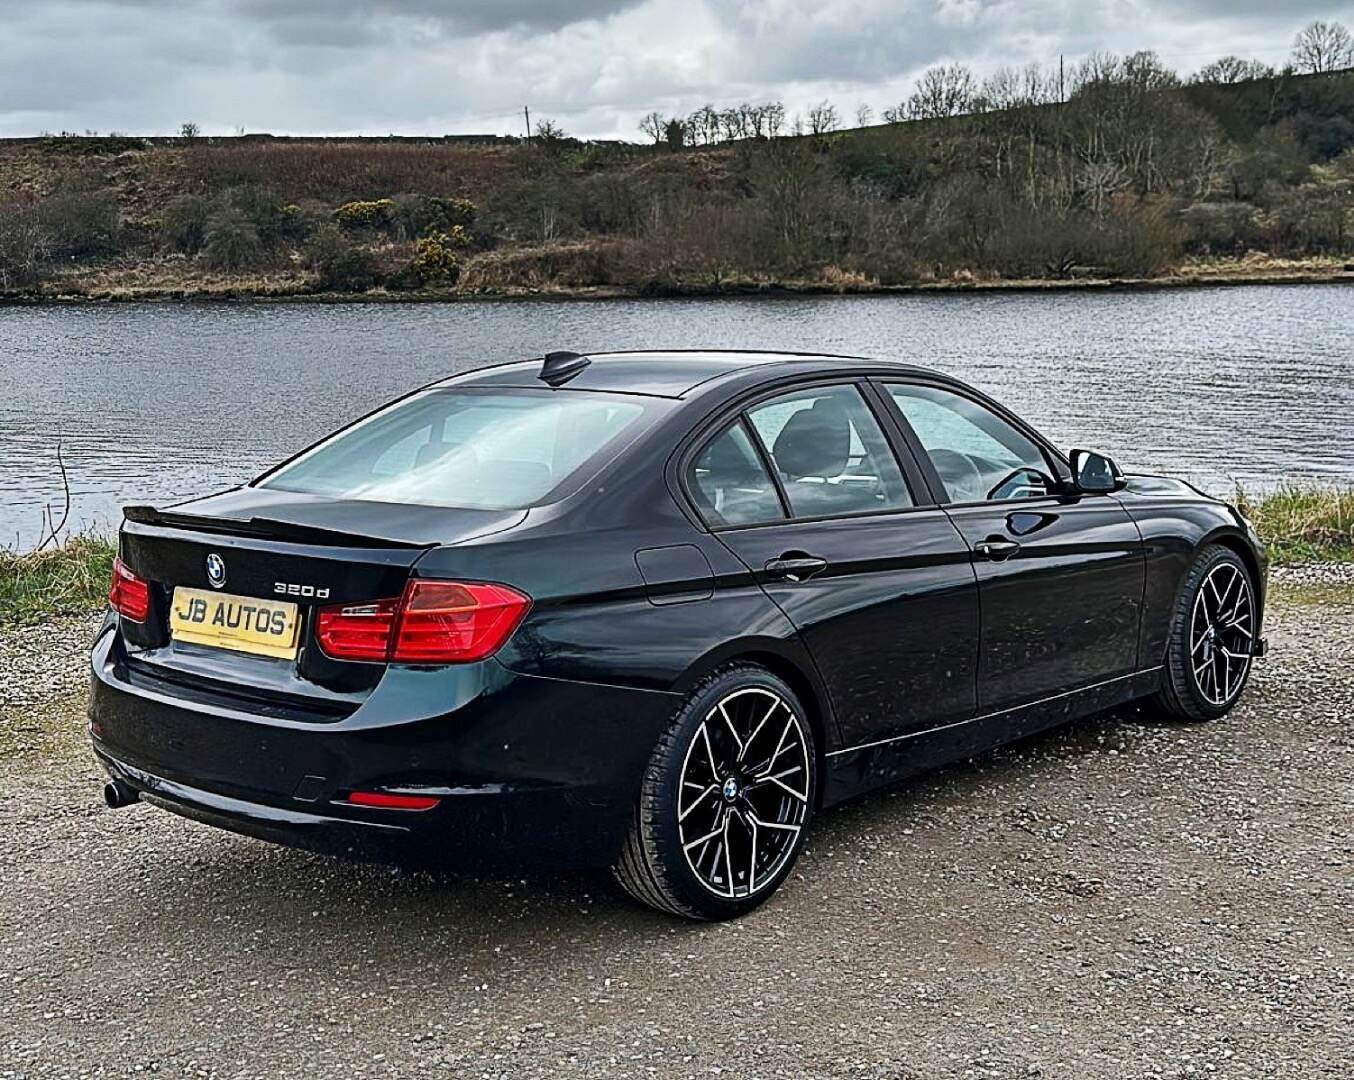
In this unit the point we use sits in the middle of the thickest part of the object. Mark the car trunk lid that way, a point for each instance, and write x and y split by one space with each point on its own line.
253 555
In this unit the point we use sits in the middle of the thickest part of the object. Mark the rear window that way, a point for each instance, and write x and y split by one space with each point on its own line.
480 450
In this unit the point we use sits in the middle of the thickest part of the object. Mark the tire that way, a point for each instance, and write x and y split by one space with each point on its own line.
1213 628
716 828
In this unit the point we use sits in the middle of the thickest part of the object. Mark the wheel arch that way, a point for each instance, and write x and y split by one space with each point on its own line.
1240 546
797 671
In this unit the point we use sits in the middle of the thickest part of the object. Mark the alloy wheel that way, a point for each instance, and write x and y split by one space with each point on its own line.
1222 633
743 798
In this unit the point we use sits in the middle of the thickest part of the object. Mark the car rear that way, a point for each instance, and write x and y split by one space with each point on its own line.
277 662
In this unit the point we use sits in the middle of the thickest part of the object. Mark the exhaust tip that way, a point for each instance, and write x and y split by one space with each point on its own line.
117 793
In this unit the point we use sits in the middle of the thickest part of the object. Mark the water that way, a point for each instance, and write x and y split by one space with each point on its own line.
156 403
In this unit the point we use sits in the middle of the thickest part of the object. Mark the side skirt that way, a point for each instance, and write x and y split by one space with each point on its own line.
860 769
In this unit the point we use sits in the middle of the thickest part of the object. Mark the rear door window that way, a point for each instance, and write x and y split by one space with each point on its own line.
829 452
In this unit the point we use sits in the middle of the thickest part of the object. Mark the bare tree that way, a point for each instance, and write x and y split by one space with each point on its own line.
547 131
703 125
823 118
775 118
1233 69
864 115
25 244
654 125
188 131
943 90
1323 47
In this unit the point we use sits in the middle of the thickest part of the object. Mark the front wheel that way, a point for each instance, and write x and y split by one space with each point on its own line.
1212 642
726 800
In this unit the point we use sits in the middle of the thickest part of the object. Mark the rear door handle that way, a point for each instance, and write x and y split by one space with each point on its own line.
795 567
996 548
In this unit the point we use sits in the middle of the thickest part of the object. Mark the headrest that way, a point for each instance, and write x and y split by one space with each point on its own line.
814 442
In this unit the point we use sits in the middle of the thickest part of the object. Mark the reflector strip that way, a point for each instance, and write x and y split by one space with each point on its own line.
387 801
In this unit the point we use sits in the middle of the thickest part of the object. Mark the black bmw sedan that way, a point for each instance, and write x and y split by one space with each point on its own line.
651 611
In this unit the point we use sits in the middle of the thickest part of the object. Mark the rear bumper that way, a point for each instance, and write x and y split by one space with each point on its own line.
529 772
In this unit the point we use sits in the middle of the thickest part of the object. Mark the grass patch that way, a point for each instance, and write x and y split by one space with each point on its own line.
68 580
1303 523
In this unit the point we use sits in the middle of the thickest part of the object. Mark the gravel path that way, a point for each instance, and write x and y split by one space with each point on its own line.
1123 898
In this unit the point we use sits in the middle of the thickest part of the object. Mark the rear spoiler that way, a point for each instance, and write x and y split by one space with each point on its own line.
263 528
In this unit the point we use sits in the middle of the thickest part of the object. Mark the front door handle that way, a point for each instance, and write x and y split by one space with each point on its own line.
996 549
794 566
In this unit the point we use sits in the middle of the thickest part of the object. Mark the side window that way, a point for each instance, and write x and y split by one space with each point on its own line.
729 482
979 456
830 454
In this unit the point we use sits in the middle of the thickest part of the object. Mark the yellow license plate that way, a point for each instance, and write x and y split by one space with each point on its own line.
242 623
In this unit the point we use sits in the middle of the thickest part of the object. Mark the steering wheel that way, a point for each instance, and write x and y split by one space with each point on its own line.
958 473
1035 484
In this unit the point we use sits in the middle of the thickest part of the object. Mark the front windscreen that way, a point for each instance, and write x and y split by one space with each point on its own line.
481 450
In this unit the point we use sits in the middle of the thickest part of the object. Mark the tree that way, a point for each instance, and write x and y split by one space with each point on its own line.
864 115
823 118
1233 69
773 112
25 244
674 134
654 125
549 133
188 131
943 90
1323 47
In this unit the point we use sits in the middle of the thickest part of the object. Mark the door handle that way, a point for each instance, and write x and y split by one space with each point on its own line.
793 566
996 549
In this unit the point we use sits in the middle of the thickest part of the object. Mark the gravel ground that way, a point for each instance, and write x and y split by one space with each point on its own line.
1122 898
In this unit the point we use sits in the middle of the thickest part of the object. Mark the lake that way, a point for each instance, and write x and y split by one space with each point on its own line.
160 402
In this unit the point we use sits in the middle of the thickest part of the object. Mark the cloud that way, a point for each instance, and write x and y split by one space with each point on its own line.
595 66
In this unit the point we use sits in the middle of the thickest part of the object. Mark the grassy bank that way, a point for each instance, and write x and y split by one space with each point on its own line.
485 280
71 579
1304 524
1299 525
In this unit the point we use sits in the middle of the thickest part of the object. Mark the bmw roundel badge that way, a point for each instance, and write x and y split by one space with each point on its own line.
216 570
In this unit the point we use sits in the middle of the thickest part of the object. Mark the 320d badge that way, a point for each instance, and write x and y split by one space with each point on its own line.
649 611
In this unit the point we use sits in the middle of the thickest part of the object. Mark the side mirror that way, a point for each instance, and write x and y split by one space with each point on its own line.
1094 474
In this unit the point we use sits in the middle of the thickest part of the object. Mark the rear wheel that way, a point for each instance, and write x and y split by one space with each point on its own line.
725 803
1212 638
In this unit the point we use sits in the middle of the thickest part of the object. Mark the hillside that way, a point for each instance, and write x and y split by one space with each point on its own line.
1136 176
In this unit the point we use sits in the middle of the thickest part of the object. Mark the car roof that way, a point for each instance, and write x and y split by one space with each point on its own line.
670 373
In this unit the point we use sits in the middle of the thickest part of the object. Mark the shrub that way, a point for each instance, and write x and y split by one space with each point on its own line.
82 224
1218 228
366 216
340 265
413 216
232 241
183 225
435 258
273 223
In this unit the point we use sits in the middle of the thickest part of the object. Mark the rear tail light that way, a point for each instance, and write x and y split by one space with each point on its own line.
433 622
129 595
357 631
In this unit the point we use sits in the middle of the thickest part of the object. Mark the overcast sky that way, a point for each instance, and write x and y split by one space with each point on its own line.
593 66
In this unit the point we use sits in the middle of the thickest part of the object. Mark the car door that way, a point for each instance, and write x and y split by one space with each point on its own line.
1060 575
807 490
